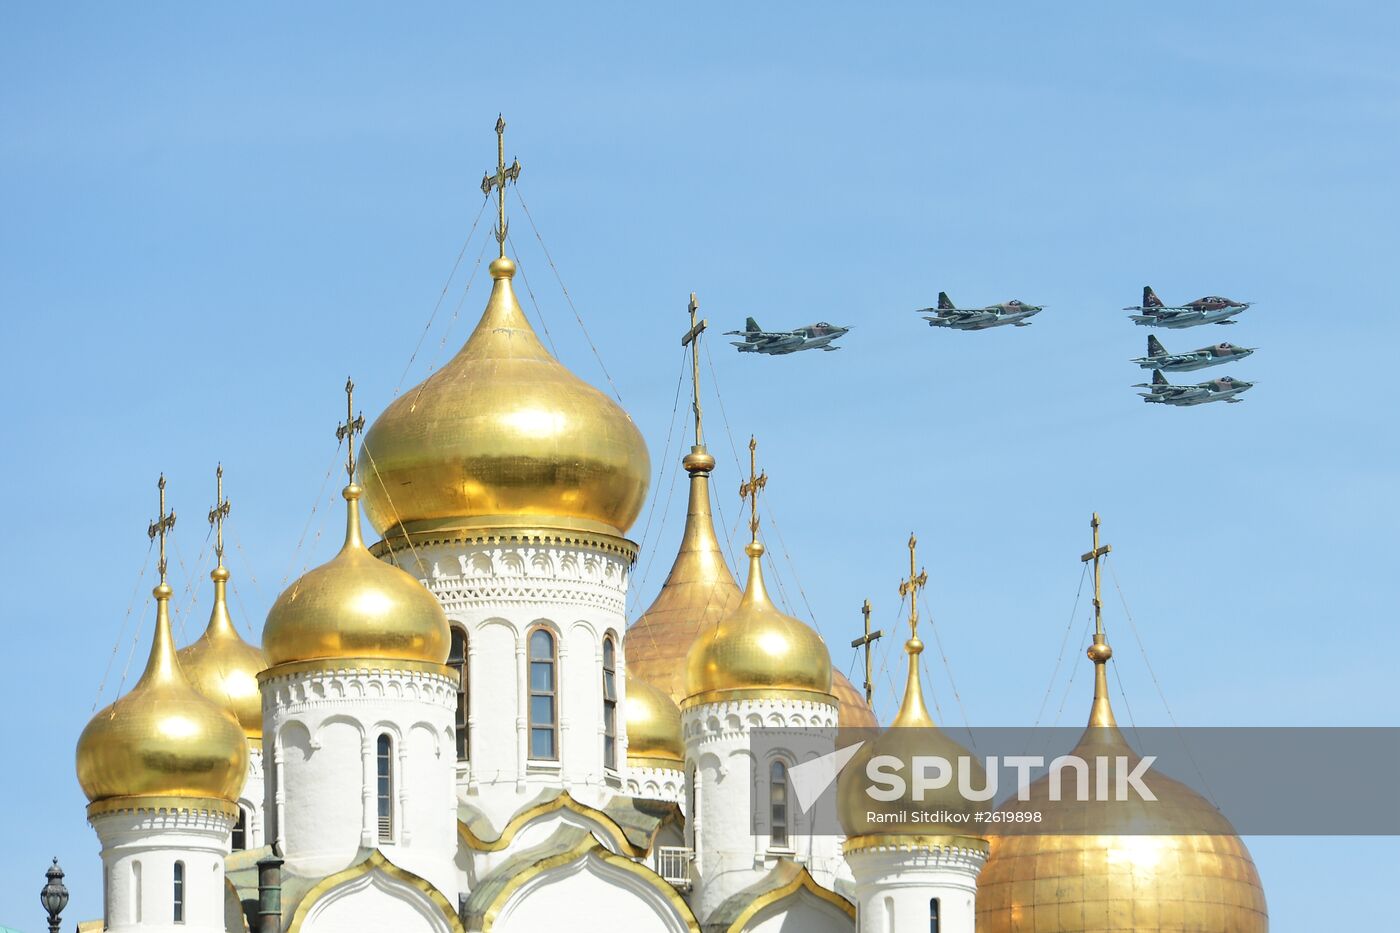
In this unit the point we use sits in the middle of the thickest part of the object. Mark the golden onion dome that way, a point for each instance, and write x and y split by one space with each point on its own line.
356 606
503 436
758 650
164 738
1170 864
911 733
224 667
852 712
653 727
698 592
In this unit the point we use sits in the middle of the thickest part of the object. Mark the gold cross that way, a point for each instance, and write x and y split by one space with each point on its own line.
161 526
498 182
1096 555
692 340
911 588
749 490
864 642
218 513
350 428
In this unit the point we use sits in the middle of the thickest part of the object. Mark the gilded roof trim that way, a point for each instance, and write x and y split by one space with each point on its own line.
376 862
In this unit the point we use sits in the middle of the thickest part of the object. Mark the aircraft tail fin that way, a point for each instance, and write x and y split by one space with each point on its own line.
1149 298
751 326
1158 379
944 302
1154 346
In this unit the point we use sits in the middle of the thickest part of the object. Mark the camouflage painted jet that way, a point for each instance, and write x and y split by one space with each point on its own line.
1158 358
1210 310
997 315
1163 392
777 343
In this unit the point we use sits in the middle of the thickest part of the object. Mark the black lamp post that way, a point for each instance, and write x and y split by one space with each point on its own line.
54 896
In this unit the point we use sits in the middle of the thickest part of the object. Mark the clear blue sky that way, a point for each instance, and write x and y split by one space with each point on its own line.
210 218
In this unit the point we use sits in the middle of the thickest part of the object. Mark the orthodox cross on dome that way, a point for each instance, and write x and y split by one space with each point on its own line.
749 488
498 183
1096 555
353 425
218 513
162 525
865 642
692 340
911 589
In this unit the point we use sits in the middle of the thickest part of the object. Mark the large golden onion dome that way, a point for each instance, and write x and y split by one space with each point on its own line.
653 728
164 739
224 667
756 650
698 592
503 437
356 606
1167 865
911 733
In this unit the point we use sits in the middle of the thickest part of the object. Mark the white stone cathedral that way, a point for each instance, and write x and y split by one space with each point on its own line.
454 728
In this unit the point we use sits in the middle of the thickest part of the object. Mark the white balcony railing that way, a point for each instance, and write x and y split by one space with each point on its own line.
673 864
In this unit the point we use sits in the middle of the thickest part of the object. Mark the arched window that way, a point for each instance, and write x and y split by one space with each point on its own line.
179 900
137 894
609 703
933 915
457 660
544 712
385 790
240 831
777 799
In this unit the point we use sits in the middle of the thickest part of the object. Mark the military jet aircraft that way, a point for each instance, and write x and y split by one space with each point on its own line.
1158 358
997 315
1210 310
776 343
1163 392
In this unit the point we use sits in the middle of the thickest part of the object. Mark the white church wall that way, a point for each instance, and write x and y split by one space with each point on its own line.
896 883
807 914
498 592
590 896
327 724
140 849
375 902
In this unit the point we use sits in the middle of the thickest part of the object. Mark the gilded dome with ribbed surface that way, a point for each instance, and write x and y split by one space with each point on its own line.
356 606
653 727
502 437
1147 866
163 738
757 649
224 667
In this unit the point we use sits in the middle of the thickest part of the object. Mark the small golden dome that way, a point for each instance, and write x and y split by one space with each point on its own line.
356 606
912 733
698 592
224 667
852 710
757 648
503 436
164 738
1171 864
653 727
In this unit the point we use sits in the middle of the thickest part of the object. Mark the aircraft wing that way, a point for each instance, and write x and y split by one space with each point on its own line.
757 336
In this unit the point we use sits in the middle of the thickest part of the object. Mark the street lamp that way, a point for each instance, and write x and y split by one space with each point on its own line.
54 896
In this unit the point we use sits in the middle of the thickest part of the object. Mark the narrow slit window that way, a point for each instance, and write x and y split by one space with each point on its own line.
609 704
544 711
240 831
385 788
778 800
179 892
933 916
457 660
